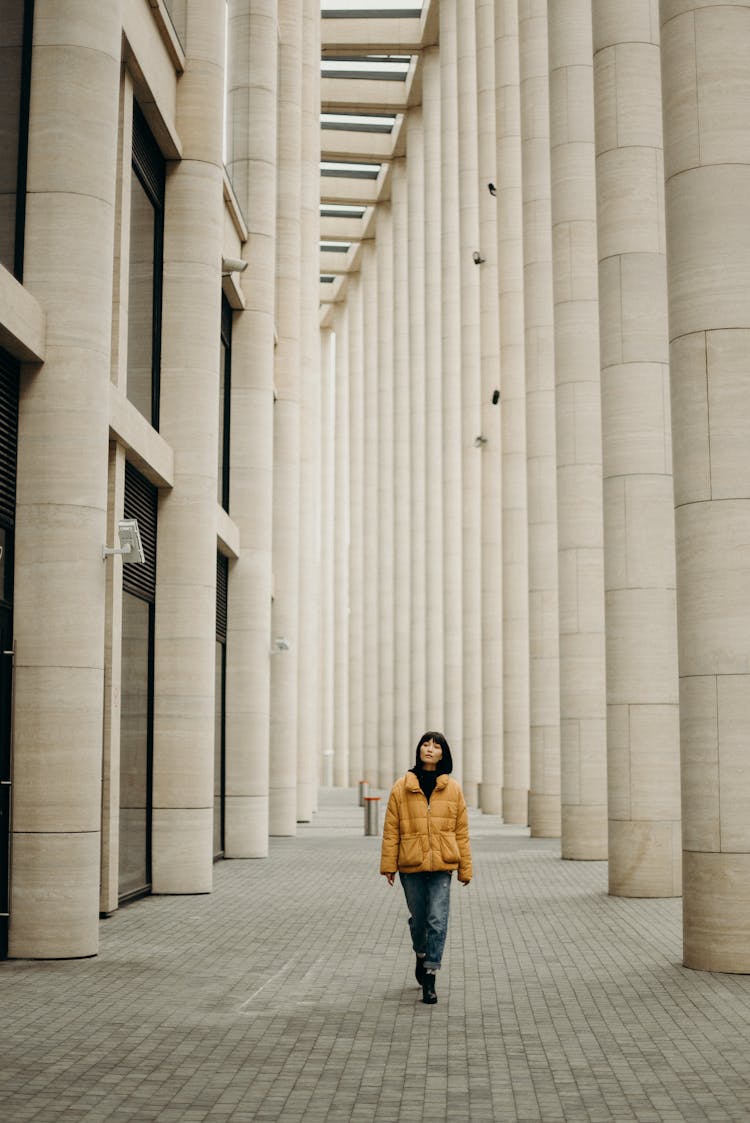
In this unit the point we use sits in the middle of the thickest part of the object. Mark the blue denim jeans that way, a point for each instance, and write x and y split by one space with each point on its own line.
428 898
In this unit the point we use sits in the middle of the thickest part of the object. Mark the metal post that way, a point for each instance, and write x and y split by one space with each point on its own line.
363 790
371 815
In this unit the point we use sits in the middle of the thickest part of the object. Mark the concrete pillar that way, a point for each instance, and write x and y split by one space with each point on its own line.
286 481
704 51
371 505
61 499
327 453
308 717
451 303
252 108
431 111
185 627
416 188
342 776
583 733
513 399
356 502
385 477
639 566
403 628
544 664
490 789
471 401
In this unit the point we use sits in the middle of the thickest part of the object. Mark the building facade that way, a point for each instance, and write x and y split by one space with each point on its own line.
413 339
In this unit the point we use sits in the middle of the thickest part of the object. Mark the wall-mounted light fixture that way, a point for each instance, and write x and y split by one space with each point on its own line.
479 441
495 397
477 258
131 547
232 265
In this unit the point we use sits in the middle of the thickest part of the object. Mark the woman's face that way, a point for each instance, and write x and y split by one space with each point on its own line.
430 754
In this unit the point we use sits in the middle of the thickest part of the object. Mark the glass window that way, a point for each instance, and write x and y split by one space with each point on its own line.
135 746
219 750
225 384
15 76
145 270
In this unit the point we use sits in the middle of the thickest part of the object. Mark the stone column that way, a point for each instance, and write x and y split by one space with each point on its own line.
61 501
252 107
385 539
356 471
513 419
704 51
431 110
544 665
308 718
286 482
639 564
583 734
327 454
185 627
415 171
342 776
403 627
371 506
471 411
490 790
451 385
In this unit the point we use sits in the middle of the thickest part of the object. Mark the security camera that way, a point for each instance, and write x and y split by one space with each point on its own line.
281 643
232 265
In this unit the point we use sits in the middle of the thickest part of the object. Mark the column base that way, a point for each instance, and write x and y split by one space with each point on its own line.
182 850
645 859
584 832
246 826
716 912
516 806
491 799
54 911
544 815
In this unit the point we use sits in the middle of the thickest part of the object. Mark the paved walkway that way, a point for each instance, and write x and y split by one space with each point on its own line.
288 995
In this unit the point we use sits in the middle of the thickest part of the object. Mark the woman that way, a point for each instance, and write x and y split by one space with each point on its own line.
425 838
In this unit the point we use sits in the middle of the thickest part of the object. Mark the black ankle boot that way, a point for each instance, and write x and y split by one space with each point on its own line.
419 969
428 988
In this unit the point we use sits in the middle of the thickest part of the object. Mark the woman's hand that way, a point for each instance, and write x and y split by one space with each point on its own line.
389 877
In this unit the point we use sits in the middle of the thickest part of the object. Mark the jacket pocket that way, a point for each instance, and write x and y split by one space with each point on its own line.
449 851
410 855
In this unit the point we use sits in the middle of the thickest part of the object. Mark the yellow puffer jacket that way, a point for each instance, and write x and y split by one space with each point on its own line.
419 837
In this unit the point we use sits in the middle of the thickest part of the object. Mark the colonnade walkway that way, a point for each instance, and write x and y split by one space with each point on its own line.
288 994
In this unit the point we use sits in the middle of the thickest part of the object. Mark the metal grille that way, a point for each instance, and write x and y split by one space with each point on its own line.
222 589
148 161
8 437
140 503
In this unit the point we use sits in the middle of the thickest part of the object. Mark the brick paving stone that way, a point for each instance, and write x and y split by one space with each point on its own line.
288 995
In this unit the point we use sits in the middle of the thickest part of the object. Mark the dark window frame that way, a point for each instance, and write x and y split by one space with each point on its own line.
226 420
149 166
222 597
23 140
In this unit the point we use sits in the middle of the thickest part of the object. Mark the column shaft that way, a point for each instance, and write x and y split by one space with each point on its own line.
431 107
371 505
385 536
451 386
286 481
544 665
356 500
252 108
490 790
704 51
342 776
327 453
308 718
639 573
471 414
513 399
583 744
415 170
61 498
403 628
185 627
